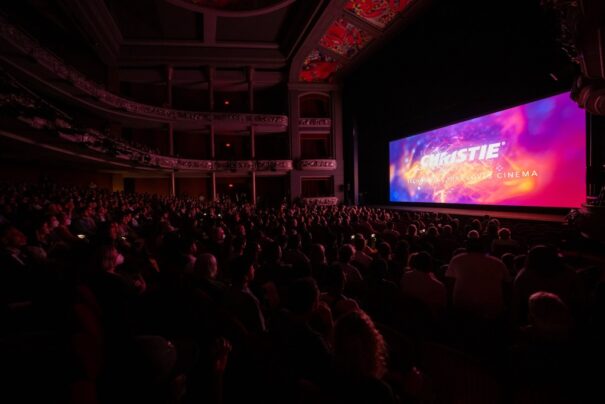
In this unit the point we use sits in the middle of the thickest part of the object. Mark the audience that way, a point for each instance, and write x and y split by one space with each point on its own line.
196 298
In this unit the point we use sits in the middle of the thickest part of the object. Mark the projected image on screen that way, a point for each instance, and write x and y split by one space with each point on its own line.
530 155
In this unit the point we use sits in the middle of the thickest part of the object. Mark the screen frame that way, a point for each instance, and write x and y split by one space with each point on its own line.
490 207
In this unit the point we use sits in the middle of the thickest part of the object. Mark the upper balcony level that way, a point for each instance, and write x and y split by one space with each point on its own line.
24 56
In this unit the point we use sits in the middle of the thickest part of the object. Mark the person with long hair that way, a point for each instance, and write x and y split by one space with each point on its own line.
360 356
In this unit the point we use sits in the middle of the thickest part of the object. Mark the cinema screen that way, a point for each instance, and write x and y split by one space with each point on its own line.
530 155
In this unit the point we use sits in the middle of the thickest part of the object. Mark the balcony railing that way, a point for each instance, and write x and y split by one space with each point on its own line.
59 68
317 164
314 124
323 201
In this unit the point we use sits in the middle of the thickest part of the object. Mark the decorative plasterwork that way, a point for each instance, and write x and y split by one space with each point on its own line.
359 23
344 38
318 66
379 13
318 164
322 123
273 165
111 147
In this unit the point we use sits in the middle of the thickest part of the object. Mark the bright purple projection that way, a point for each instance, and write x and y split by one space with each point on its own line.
530 155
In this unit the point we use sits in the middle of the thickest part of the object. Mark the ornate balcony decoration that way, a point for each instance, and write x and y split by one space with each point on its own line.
315 123
318 164
137 155
59 68
233 165
322 201
273 165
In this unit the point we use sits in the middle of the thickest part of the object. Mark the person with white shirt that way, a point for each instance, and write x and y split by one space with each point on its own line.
479 281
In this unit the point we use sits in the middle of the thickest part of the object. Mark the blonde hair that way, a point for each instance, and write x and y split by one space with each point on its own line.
360 350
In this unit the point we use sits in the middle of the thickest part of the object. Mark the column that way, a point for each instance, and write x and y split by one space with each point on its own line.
293 117
253 155
214 186
250 88
213 157
211 74
252 142
337 144
355 190
169 78
172 184
254 187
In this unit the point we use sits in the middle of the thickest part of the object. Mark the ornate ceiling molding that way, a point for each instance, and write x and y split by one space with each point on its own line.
345 31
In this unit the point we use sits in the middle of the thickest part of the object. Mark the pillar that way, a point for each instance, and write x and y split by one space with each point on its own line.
250 74
211 74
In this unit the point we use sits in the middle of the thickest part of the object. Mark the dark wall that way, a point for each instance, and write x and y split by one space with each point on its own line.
454 61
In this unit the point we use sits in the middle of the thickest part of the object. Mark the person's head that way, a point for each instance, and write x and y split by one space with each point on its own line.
473 235
492 227
473 242
447 231
12 237
53 222
421 261
542 260
504 234
218 235
476 225
64 220
317 254
242 270
273 253
108 258
384 250
359 349
432 232
360 242
303 296
240 230
548 313
41 229
206 266
346 252
412 230
239 244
